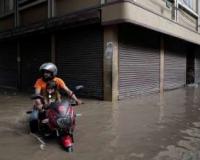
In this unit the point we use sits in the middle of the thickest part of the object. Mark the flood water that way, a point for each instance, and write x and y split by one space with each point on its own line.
152 127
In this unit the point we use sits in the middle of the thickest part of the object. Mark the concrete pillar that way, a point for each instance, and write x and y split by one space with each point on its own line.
16 11
162 51
51 14
51 8
18 65
176 10
111 73
198 12
103 2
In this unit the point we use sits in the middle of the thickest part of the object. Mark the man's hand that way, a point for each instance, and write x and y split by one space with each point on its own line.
79 102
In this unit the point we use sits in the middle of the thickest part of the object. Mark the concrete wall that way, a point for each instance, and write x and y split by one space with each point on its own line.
129 12
7 23
187 20
157 6
39 12
63 7
34 14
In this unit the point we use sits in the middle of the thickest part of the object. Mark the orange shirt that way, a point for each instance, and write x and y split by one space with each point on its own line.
41 85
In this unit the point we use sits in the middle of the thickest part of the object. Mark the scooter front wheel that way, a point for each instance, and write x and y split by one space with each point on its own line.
67 143
69 149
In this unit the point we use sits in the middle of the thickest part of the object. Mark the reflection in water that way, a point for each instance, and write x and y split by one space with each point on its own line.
154 127
115 117
161 109
188 143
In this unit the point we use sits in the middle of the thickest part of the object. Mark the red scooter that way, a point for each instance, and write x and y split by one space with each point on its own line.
57 119
61 119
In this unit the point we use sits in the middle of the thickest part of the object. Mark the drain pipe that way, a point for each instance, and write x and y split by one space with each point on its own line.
51 14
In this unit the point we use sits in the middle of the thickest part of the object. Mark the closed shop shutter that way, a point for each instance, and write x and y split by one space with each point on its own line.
197 65
8 64
34 52
139 62
175 64
80 59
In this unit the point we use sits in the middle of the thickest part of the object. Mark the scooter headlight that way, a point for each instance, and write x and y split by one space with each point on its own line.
64 122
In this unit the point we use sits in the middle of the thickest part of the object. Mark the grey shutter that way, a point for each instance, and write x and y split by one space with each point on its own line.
175 64
197 65
139 62
34 52
8 64
80 59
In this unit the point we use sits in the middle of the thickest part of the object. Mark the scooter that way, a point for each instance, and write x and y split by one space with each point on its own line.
58 119
61 119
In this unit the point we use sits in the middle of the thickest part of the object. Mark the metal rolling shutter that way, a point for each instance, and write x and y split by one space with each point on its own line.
175 64
80 59
139 62
197 65
8 64
34 52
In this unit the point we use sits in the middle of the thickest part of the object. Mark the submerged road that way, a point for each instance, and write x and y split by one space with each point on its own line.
149 127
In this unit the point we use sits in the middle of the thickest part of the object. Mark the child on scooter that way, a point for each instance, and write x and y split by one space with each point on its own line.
51 94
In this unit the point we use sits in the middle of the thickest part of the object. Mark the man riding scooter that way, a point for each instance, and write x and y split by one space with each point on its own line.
49 72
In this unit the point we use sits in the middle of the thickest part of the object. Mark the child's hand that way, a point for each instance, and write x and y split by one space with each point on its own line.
45 106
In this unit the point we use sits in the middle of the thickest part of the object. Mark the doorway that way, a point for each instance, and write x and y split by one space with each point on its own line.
190 74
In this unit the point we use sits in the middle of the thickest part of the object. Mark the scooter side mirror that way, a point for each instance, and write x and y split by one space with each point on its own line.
79 87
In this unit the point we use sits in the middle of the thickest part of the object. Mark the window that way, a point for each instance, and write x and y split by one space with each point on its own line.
6 6
188 6
188 3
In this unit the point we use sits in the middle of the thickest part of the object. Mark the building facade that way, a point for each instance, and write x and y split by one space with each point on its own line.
115 48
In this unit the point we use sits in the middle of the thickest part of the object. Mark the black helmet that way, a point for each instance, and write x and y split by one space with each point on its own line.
50 67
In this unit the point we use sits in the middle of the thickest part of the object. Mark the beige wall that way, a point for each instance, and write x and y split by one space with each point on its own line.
124 12
157 6
187 20
194 7
7 23
34 14
128 12
63 7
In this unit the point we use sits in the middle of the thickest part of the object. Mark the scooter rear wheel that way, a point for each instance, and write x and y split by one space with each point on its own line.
33 124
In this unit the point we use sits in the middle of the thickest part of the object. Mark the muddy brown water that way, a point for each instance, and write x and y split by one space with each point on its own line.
149 127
